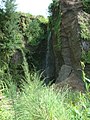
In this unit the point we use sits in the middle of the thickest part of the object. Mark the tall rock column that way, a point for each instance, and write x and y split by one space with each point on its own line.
70 34
70 41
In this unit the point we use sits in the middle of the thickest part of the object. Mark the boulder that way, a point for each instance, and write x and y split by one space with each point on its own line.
64 73
73 82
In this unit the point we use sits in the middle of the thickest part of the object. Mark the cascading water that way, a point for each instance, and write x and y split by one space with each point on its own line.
50 61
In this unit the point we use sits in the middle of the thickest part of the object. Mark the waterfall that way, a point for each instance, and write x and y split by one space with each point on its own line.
50 61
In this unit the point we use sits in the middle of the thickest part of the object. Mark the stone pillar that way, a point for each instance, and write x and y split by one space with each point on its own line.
70 33
71 72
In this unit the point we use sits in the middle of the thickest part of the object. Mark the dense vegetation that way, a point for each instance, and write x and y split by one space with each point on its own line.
86 4
38 102
19 33
23 41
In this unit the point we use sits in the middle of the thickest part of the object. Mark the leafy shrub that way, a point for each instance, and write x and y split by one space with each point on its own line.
86 4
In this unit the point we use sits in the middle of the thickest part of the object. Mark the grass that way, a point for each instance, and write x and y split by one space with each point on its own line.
38 102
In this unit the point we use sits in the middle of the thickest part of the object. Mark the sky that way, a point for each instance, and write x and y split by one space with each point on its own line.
34 7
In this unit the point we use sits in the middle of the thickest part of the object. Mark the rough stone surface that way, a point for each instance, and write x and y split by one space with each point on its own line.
71 50
73 82
70 73
64 73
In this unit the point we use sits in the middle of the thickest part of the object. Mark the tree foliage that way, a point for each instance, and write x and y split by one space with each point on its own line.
86 4
18 32
10 38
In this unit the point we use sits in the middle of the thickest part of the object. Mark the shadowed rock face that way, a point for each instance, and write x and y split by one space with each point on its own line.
73 82
70 5
66 70
70 72
71 50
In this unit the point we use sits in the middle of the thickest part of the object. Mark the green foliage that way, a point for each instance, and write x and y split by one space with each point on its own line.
10 38
86 4
85 26
17 31
35 101
55 17
86 57
38 102
34 32
55 20
25 67
18 28
31 29
42 19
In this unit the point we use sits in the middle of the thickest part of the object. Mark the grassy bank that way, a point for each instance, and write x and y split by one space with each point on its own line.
38 102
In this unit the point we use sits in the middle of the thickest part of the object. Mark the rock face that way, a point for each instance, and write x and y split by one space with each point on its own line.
73 83
64 73
70 70
70 37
